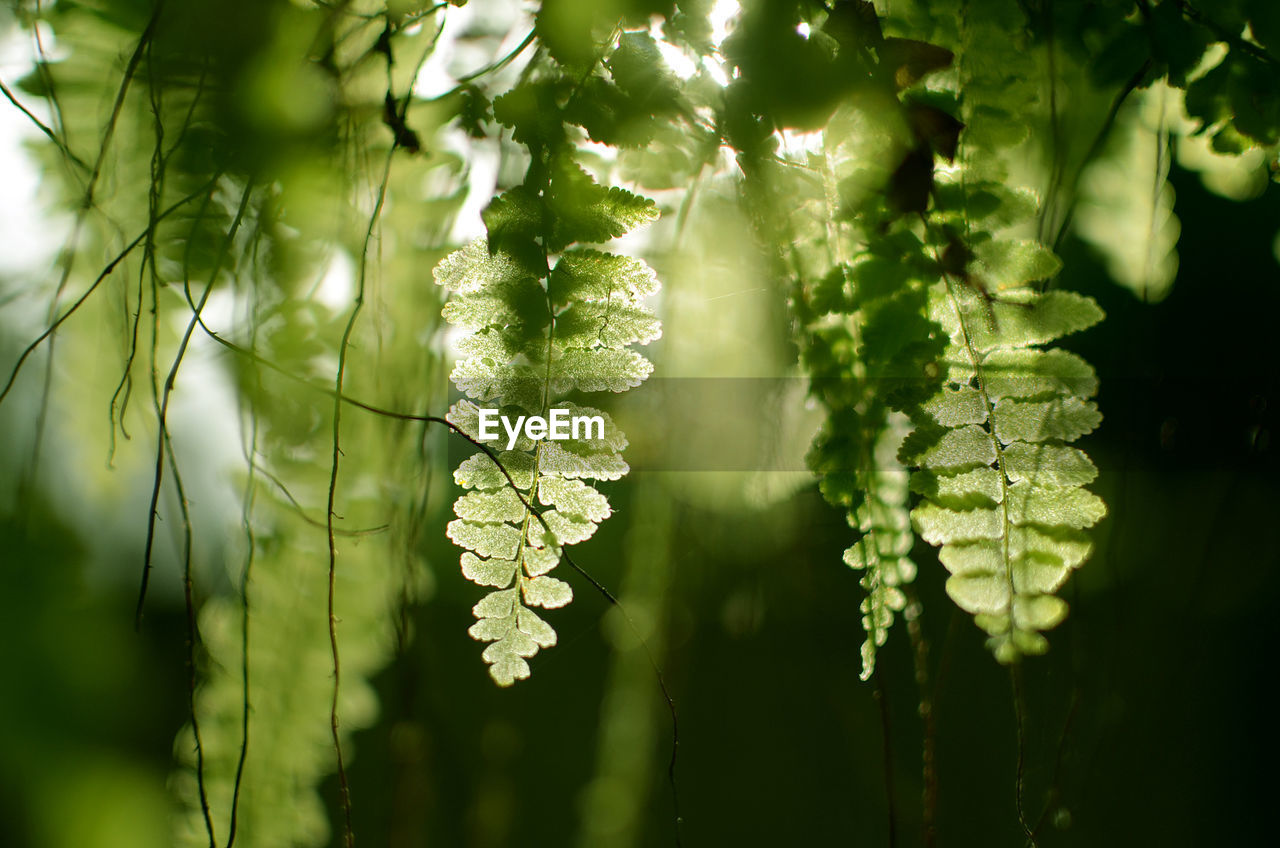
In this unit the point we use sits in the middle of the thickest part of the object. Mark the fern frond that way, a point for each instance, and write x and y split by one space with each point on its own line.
540 333
869 348
1003 492
882 551
860 296
861 363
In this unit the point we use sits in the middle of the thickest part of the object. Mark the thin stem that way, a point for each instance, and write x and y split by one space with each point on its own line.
167 394
40 125
928 753
193 633
315 522
69 252
106 272
159 165
1020 710
344 785
343 348
46 79
249 447
498 65
1054 791
882 702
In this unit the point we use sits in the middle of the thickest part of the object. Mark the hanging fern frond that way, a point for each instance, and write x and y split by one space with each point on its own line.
918 293
859 272
872 353
540 332
882 552
1003 491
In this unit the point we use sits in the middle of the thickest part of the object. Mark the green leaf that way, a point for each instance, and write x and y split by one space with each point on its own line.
881 554
639 70
1062 549
540 560
1053 506
539 631
488 379
479 471
583 211
496 605
487 540
568 29
1064 419
565 529
490 507
589 275
532 110
940 525
979 487
611 325
959 450
546 592
573 497
515 221
1046 318
1014 263
609 115
477 311
577 460
473 268
508 666
1031 374
599 370
1048 464
876 277
957 407
488 572
991 204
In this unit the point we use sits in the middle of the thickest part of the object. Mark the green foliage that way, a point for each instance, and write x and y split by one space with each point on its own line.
290 751
1003 492
881 554
860 270
911 177
542 329
271 108
916 293
551 317
869 354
